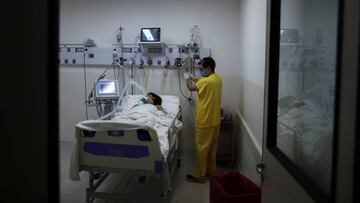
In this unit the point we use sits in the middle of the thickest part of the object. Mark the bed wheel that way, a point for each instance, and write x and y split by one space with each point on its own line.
141 179
178 164
88 198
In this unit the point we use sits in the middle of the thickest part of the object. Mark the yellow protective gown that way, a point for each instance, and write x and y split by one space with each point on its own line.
208 118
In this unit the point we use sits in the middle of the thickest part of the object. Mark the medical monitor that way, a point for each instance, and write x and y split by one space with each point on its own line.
149 35
106 89
289 36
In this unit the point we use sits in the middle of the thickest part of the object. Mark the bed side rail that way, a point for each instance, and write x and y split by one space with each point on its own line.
119 146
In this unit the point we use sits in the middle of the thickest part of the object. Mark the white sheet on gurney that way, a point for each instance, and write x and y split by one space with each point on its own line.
145 114
148 115
170 104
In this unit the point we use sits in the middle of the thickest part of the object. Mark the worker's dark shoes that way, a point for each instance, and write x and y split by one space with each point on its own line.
192 179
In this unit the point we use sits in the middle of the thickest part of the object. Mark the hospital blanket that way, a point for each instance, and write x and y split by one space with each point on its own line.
140 115
148 115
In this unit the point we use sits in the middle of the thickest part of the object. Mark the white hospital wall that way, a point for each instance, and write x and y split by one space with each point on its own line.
218 23
248 82
248 86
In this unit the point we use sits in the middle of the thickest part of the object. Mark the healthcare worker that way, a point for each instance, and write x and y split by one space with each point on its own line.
208 118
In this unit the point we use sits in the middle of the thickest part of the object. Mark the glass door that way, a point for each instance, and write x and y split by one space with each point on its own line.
302 97
311 117
306 89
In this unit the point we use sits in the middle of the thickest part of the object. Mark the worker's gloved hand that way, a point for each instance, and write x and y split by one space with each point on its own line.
192 77
187 75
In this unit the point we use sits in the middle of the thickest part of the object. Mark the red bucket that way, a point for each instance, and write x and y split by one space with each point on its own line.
231 187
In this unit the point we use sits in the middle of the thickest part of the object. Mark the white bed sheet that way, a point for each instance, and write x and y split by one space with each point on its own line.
313 141
145 114
132 111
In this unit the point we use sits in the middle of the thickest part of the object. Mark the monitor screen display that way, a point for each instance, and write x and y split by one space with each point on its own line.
289 36
150 35
107 88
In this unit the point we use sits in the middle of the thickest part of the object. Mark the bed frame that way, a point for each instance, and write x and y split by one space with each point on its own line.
124 149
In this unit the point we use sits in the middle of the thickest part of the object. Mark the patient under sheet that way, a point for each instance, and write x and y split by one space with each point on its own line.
149 115
165 123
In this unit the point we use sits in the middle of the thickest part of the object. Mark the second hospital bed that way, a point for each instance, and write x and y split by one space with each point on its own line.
135 139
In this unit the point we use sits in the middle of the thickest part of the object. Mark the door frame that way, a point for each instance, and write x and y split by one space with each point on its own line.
53 160
271 94
356 190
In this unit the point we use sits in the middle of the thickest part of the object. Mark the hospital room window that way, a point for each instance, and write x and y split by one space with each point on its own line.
305 86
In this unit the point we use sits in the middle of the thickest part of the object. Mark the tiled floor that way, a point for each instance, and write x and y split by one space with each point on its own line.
183 191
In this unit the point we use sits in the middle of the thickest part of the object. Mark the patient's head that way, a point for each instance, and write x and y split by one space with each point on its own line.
154 99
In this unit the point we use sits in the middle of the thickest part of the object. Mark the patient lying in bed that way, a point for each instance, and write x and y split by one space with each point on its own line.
152 98
149 112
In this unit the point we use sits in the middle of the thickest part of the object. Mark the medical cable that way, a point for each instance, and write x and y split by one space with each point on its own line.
114 71
147 77
132 77
180 85
125 90
97 109
123 78
189 98
116 63
122 68
86 101
183 104
118 75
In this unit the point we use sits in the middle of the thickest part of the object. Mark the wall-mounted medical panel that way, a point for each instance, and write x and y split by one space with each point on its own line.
71 55
89 55
128 54
98 55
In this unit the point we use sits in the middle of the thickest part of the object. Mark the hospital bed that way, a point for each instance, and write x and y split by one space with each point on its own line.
131 140
305 135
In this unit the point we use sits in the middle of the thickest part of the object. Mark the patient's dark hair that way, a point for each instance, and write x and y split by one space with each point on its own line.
157 98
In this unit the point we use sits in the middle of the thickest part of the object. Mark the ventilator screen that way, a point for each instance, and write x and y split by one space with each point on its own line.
107 89
150 35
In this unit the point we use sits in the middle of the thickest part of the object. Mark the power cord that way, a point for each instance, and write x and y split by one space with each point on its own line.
188 98
86 101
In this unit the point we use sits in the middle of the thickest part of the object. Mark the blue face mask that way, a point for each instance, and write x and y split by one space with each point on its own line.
204 73
144 99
